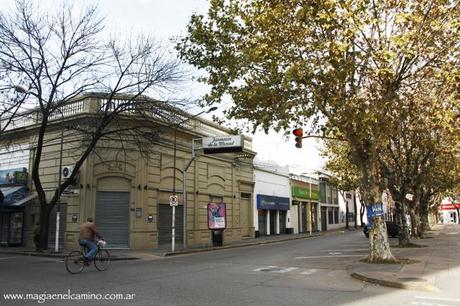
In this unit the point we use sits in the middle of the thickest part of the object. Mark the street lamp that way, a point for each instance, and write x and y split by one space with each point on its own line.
173 227
22 89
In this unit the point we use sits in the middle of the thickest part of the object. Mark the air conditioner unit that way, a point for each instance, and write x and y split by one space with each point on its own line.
66 172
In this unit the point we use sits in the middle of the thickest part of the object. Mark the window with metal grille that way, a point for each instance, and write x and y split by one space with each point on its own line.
330 216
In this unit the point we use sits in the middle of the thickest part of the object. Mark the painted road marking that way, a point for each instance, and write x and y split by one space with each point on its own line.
327 256
345 250
276 269
309 272
289 269
437 299
7 258
428 304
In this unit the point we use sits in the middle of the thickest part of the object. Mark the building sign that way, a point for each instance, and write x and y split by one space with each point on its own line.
450 206
304 193
217 216
223 144
374 210
17 176
272 202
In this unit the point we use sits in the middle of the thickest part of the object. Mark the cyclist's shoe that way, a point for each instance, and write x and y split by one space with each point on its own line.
84 261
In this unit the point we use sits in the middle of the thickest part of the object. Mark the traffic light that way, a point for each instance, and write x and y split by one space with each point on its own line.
298 133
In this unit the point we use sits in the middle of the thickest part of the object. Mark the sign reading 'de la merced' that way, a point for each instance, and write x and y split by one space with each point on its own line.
223 144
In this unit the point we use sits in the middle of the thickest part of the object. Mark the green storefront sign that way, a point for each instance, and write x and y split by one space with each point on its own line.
304 193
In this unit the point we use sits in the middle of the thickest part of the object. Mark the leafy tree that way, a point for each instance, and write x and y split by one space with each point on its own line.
55 59
345 174
343 65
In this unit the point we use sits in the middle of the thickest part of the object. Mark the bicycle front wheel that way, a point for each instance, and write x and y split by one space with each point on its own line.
102 260
74 262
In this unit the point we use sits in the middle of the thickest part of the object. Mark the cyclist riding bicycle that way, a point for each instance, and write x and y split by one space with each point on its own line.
88 235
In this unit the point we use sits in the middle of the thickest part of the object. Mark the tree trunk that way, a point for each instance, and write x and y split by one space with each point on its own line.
403 233
346 214
413 223
458 214
379 248
44 226
362 210
424 224
355 209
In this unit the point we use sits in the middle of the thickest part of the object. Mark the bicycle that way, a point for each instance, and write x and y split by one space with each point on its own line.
75 261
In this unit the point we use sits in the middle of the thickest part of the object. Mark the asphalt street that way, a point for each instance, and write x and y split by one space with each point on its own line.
313 271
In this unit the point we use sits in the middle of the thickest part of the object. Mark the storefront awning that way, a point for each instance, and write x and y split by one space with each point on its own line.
10 190
272 202
15 196
22 201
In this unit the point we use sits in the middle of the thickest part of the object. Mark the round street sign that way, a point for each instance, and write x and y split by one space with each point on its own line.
173 200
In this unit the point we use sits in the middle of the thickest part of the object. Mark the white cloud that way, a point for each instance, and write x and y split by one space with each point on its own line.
164 19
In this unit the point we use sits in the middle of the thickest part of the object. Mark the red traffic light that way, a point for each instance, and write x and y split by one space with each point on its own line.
298 132
298 139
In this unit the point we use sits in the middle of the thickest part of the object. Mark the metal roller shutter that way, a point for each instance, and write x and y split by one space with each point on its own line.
112 218
165 226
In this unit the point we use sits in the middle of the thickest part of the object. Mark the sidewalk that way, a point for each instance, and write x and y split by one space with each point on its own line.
437 264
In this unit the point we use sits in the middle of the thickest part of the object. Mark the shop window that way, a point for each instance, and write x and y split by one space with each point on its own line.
336 215
330 216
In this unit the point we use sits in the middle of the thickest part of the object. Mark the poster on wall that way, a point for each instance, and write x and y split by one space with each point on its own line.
17 176
217 216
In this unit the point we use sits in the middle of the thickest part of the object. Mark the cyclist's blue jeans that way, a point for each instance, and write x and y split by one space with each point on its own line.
91 246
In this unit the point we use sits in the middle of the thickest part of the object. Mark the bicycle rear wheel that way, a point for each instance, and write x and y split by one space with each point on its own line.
102 260
74 262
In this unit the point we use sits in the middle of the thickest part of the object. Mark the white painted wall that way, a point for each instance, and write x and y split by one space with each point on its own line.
272 180
448 215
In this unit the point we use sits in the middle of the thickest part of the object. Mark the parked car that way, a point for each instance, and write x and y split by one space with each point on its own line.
392 229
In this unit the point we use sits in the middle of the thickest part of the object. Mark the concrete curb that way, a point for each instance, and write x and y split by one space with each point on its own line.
232 246
189 251
425 286
61 255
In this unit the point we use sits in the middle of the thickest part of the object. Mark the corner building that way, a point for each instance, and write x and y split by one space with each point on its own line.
128 194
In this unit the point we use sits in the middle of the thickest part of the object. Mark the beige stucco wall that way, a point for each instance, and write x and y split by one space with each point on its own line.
149 181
